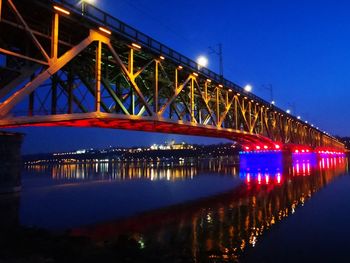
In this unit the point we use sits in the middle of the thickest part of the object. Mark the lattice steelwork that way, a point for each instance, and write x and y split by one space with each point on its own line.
64 64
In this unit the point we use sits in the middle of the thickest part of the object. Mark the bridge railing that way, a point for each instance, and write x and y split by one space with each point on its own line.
104 19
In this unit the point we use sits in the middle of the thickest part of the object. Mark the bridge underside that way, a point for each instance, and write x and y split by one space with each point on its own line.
150 124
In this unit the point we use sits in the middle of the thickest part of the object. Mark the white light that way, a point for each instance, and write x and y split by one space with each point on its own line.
91 2
288 111
305 121
299 117
248 88
273 102
202 61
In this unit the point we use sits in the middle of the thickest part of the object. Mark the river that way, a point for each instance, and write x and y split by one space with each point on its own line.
265 208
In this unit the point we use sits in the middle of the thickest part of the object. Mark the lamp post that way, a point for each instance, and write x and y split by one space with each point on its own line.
83 5
269 88
218 51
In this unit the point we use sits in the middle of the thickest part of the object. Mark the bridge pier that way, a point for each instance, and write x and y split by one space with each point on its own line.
10 162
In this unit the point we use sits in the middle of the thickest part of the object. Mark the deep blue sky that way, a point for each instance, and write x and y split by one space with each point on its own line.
300 47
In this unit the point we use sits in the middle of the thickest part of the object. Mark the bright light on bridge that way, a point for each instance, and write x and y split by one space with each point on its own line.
248 88
273 102
288 111
202 61
91 2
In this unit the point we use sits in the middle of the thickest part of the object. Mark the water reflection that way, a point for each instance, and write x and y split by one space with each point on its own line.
141 169
225 227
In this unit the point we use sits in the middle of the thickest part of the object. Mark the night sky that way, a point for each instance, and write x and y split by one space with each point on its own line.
301 48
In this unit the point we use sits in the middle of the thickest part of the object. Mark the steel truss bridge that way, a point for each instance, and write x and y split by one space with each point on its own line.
64 63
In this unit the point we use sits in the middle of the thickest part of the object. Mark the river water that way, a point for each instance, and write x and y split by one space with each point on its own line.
265 208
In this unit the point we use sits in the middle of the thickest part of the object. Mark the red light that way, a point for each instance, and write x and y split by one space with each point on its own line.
265 147
307 151
277 146
258 147
303 151
296 151
247 148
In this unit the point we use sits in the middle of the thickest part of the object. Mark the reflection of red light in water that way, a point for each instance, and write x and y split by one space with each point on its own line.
278 178
259 178
267 178
298 168
304 169
248 177
308 168
322 163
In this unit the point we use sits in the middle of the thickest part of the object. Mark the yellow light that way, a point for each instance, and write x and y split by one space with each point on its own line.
238 94
209 80
230 90
162 58
194 73
59 9
220 85
136 45
180 67
105 30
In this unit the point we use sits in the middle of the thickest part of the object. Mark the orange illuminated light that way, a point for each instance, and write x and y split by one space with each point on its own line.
194 73
161 57
209 80
105 30
136 45
60 9
180 67
220 85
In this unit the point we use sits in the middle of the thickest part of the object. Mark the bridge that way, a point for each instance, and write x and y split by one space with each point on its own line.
68 63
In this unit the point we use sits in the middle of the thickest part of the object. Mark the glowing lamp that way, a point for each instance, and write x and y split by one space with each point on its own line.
202 61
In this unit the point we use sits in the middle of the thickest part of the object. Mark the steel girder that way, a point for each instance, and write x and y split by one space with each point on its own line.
61 69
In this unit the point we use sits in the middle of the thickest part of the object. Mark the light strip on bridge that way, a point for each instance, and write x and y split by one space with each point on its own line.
60 9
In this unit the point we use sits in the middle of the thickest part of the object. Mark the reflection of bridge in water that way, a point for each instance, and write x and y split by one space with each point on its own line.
224 226
62 66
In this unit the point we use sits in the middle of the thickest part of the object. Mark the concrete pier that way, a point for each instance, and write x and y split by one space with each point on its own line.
10 162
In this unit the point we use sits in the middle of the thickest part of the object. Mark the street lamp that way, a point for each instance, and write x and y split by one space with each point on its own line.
202 61
298 117
248 88
84 2
288 111
273 102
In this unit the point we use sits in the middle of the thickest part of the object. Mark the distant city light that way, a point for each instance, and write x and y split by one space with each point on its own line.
202 61
273 102
288 111
248 88
298 117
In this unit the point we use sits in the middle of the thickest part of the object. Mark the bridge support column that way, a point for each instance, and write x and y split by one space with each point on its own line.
10 162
